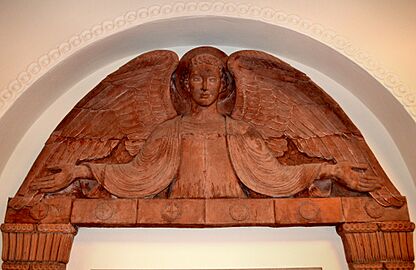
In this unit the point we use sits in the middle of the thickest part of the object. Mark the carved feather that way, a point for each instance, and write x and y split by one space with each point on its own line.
120 112
282 102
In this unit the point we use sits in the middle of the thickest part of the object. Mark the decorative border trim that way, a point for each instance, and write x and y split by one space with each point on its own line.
35 70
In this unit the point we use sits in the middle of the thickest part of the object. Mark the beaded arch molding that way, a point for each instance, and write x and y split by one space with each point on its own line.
35 70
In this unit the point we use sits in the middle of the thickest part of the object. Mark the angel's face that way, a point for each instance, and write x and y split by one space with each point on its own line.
205 84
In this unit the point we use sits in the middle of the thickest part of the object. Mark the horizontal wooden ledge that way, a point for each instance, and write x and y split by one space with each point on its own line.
231 212
273 212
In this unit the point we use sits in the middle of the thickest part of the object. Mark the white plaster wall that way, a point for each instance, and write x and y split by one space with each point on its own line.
384 28
29 33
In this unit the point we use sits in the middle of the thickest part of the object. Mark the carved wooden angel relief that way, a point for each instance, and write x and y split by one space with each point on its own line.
210 140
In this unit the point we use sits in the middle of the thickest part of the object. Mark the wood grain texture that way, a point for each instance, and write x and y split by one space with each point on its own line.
383 245
30 246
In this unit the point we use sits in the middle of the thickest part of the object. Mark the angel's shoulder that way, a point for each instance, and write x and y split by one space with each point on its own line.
167 129
239 127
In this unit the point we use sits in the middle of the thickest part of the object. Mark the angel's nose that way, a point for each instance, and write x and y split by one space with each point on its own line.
205 85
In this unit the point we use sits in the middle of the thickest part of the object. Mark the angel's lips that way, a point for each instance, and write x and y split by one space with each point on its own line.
204 96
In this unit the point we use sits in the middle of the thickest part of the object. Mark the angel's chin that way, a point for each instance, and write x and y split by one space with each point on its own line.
205 102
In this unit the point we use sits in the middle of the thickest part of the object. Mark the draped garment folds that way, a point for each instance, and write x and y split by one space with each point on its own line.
196 163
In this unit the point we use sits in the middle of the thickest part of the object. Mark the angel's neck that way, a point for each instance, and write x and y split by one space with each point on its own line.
204 114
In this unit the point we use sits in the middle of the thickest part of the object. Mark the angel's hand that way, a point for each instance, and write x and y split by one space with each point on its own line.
61 177
356 176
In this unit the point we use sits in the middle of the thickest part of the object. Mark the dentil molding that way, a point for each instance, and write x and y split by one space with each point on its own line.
44 63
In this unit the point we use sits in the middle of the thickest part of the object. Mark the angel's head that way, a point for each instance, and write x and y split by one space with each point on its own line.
205 79
202 78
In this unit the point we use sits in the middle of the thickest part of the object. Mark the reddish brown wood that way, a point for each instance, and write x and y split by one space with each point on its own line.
379 245
49 210
31 246
308 211
208 141
239 212
248 125
164 212
228 212
367 210
110 212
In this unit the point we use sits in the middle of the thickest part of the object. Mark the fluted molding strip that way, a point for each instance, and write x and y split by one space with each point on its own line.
379 245
36 246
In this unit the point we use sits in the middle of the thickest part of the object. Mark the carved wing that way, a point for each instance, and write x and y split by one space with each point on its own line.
112 121
294 115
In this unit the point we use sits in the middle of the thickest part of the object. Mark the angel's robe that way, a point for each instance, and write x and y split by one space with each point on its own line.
209 160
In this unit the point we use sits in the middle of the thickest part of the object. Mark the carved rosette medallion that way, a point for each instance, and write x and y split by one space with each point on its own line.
309 211
39 211
374 210
239 212
104 211
171 212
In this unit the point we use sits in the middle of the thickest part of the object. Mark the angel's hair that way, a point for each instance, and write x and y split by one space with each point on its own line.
226 98
207 59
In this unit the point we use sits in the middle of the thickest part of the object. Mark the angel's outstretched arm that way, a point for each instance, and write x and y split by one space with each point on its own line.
353 176
61 177
119 113
260 171
147 174
150 172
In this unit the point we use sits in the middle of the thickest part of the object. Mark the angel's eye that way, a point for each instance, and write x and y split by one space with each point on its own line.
213 79
196 79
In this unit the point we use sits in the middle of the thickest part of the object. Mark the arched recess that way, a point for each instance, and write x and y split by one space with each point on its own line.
240 33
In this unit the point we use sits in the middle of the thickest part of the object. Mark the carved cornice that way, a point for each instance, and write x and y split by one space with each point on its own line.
371 245
35 70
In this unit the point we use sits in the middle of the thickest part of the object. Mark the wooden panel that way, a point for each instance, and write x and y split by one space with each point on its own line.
362 209
239 212
168 212
104 212
49 210
308 211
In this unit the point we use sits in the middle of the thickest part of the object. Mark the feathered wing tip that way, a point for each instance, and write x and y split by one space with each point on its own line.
283 104
111 123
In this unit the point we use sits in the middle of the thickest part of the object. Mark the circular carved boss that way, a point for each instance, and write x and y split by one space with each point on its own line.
39 211
309 211
373 209
104 211
171 212
239 212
